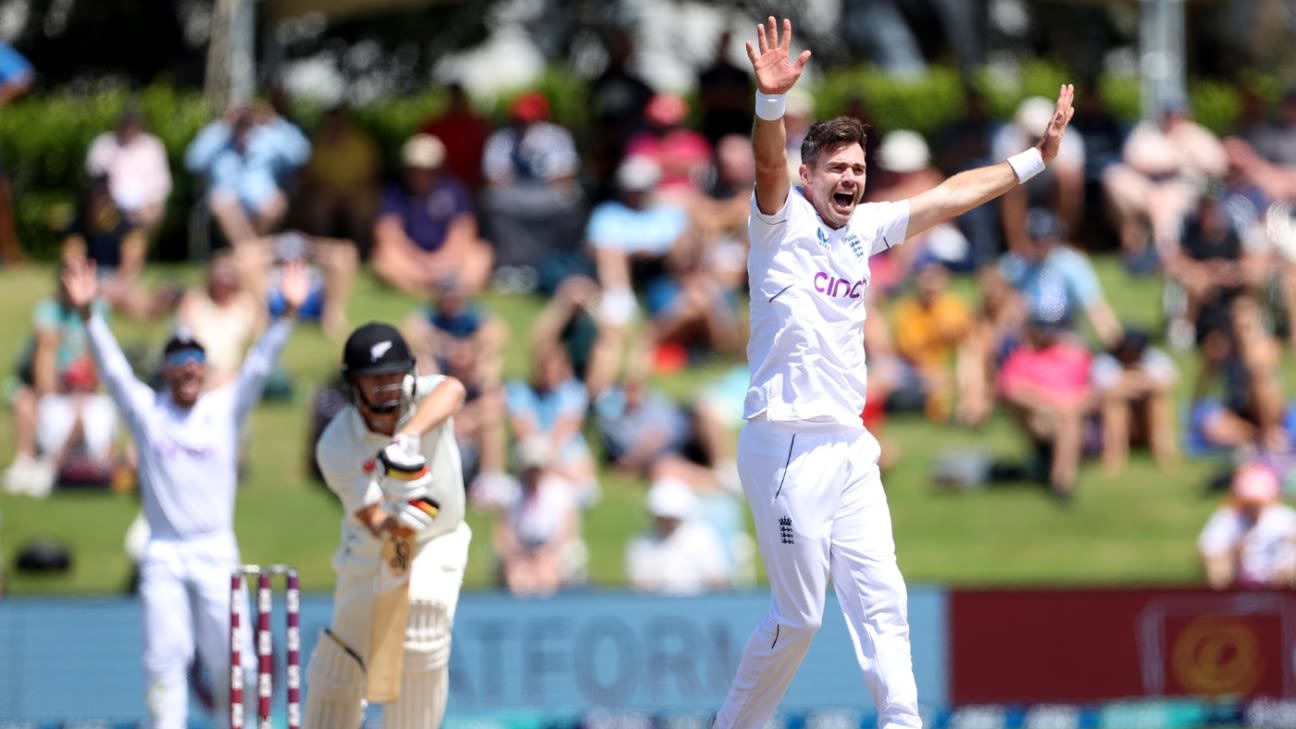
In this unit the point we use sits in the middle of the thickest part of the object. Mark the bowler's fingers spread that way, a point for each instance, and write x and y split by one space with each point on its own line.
751 53
762 40
787 35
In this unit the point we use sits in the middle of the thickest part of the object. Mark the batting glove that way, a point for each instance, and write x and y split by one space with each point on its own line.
404 470
414 514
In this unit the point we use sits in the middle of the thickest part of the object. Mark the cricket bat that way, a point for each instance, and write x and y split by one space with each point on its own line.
390 616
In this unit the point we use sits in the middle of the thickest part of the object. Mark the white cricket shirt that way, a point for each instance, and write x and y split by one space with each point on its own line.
806 351
188 458
347 456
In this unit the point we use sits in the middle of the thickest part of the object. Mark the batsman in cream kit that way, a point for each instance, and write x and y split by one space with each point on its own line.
391 458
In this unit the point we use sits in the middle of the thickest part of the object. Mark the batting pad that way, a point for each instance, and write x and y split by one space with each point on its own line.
422 701
427 637
336 682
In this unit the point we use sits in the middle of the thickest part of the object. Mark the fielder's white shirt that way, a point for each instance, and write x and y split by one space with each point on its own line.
188 459
806 351
1261 550
347 456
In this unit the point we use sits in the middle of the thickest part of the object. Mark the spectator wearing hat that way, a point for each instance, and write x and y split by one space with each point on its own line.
537 539
1164 163
1045 385
426 228
1134 383
1250 541
1059 189
532 202
903 170
680 554
134 162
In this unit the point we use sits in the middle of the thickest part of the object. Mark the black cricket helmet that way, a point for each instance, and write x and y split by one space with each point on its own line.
377 349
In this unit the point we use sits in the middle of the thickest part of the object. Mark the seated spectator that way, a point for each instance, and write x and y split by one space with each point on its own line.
331 264
903 170
457 336
1103 133
550 407
1059 189
76 430
245 158
222 315
464 133
931 328
339 184
1135 387
135 164
1250 542
1276 139
1046 263
681 554
537 539
1045 385
56 346
647 434
683 154
995 330
1155 185
532 201
426 228
633 238
102 233
724 92
1211 264
1238 401
570 319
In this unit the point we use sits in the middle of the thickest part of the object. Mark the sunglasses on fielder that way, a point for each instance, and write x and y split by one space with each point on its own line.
185 356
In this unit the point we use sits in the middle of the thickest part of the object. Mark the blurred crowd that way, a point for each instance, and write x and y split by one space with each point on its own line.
634 235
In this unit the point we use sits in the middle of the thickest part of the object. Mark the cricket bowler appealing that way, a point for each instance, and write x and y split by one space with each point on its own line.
808 466
391 457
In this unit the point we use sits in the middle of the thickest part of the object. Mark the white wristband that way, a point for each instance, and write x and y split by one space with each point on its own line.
1027 164
770 108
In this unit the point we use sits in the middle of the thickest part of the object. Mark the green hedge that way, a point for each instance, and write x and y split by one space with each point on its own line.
44 136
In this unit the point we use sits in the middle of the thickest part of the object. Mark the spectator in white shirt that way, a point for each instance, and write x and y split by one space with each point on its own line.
135 163
681 555
1251 540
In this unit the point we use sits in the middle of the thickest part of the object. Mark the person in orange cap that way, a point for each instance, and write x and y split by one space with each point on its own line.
1250 541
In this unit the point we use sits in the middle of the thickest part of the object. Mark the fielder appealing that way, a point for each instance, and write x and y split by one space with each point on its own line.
808 466
397 427
187 442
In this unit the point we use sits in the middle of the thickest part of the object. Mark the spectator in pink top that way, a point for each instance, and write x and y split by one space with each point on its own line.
1046 386
135 163
683 154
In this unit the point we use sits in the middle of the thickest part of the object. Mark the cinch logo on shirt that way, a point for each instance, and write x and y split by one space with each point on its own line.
838 288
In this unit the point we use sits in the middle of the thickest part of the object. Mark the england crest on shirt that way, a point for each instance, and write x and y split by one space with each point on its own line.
856 246
823 237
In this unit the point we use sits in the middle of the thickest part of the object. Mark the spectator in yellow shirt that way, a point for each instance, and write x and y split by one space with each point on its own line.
930 327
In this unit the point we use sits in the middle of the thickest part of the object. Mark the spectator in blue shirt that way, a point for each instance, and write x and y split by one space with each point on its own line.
553 405
1045 265
15 78
245 158
426 229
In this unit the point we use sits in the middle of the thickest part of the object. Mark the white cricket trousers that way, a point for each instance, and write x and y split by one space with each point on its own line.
185 591
816 496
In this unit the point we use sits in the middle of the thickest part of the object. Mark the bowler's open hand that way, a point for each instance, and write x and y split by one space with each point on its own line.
772 63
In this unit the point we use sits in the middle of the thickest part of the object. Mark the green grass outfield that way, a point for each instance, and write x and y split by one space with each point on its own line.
1139 528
